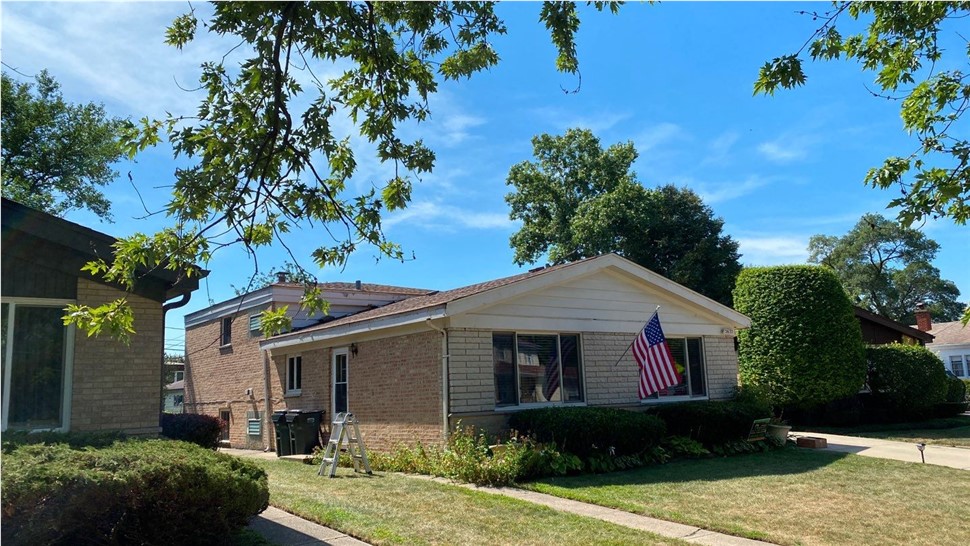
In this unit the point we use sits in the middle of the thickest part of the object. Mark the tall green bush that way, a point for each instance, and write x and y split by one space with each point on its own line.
712 423
804 346
906 380
136 492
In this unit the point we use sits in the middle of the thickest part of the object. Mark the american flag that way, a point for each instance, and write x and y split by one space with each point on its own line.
552 378
657 369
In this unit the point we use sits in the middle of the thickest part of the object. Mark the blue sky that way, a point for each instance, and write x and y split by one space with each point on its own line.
674 78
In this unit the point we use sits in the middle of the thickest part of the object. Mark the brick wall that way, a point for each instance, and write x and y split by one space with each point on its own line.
471 385
118 386
216 378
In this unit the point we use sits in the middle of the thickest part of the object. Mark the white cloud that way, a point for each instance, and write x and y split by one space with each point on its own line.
725 191
782 152
719 149
773 250
598 122
428 214
658 135
128 65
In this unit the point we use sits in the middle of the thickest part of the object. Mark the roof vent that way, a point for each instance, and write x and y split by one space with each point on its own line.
540 268
357 285
281 276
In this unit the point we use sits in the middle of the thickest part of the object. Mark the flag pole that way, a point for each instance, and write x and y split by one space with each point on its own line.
657 310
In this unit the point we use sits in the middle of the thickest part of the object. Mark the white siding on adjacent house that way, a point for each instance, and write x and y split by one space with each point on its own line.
605 301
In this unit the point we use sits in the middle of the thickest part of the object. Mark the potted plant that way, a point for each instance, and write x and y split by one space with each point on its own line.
778 429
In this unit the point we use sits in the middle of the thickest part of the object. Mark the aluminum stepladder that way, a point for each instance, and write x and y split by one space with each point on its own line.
345 428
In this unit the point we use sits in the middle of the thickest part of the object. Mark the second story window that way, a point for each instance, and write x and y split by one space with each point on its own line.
226 334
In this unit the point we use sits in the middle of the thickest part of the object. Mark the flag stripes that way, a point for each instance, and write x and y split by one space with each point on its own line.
652 353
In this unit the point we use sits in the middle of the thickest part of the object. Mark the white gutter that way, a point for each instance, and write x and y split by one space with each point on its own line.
445 359
354 328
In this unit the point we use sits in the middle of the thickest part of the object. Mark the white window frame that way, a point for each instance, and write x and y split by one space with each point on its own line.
225 326
291 362
963 361
178 375
345 352
518 405
657 399
68 382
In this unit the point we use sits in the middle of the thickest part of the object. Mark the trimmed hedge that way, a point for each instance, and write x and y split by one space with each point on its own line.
585 431
15 438
804 346
712 423
956 398
136 492
203 430
906 380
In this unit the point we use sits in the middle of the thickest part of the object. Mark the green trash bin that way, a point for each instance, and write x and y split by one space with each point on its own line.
304 430
282 428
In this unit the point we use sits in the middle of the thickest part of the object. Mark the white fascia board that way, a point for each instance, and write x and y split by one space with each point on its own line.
354 328
258 298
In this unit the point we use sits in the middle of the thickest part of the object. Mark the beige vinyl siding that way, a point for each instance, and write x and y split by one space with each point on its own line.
600 302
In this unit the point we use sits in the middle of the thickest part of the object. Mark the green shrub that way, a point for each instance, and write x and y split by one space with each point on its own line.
906 380
956 389
136 492
712 423
804 346
469 458
956 398
14 439
204 430
586 431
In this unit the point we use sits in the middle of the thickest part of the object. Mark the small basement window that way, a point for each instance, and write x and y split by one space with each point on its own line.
226 332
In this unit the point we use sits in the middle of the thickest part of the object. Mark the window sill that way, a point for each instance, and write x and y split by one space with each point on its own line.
226 346
293 394
674 399
535 405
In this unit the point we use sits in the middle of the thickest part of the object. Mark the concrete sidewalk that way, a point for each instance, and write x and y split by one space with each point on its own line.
687 533
954 457
285 529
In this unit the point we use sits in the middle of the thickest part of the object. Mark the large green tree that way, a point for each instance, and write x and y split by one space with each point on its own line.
901 43
266 149
578 200
887 269
56 155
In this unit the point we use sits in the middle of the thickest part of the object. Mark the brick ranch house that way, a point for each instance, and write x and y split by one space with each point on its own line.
411 369
55 378
229 376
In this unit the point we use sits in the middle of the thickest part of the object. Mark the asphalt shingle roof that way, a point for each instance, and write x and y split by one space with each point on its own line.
433 299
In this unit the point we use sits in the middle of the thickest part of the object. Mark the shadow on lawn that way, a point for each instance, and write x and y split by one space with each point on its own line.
787 461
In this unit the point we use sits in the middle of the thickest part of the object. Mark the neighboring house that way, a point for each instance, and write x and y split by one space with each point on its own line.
951 342
226 375
175 397
555 336
55 378
879 330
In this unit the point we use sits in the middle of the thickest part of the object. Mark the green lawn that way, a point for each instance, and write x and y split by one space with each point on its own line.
792 496
949 431
394 509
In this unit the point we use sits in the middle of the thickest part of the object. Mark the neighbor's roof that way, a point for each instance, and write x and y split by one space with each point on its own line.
364 287
950 333
925 337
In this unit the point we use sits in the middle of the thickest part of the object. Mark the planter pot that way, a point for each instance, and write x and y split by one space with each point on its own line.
778 432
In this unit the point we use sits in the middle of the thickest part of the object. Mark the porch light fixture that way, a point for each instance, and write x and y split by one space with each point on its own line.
353 349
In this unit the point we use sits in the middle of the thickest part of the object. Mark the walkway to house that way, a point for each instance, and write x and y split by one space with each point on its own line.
954 457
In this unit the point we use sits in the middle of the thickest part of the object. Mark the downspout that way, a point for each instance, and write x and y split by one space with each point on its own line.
445 358
166 307
266 405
